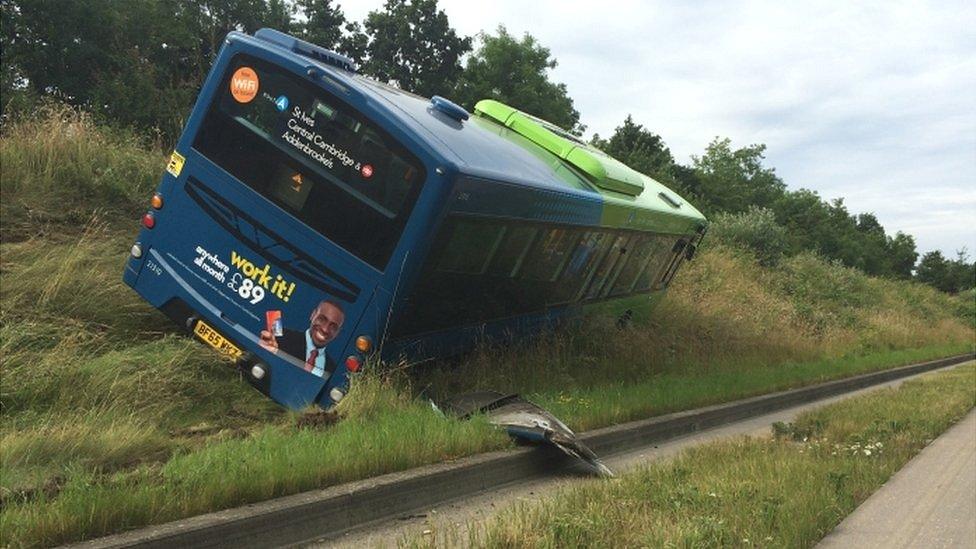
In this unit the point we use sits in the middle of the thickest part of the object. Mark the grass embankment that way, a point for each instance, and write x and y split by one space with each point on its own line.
112 420
786 491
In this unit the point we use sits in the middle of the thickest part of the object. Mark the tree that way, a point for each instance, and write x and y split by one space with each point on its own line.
732 180
279 16
354 42
515 72
15 96
933 270
323 23
640 149
141 66
411 44
961 273
901 251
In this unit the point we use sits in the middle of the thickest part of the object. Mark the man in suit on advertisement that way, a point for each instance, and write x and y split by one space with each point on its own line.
308 346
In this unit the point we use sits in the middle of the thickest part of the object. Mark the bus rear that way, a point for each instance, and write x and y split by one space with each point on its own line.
281 207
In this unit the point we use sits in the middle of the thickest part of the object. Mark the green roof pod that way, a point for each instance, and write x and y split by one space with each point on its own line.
605 171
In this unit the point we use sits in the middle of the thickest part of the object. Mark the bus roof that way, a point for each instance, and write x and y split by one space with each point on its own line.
481 147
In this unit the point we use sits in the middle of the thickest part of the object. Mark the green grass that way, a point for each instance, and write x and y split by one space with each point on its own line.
59 169
112 419
787 491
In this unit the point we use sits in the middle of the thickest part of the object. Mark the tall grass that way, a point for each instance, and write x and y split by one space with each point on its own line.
723 314
59 168
112 419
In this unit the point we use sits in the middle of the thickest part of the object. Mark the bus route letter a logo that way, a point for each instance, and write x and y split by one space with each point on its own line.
244 84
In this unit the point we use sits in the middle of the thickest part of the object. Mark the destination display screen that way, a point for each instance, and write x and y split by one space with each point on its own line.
312 155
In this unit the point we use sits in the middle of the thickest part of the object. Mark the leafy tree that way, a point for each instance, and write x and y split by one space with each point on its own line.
215 18
640 149
515 72
687 180
902 254
15 97
323 23
140 66
410 43
354 42
280 16
872 244
948 275
732 180
933 270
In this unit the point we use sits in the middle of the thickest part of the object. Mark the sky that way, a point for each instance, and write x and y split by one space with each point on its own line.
874 102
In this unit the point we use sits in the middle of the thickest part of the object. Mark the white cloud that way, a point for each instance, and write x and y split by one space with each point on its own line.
871 101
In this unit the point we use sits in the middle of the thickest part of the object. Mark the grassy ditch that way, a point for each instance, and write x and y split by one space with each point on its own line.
112 419
786 491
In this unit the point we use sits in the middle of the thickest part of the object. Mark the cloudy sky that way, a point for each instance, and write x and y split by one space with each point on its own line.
874 102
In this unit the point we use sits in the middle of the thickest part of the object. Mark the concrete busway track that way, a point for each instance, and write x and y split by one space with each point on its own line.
330 513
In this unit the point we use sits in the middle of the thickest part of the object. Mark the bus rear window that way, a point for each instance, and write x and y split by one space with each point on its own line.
313 156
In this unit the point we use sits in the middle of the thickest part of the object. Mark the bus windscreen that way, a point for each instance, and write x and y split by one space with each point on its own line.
313 156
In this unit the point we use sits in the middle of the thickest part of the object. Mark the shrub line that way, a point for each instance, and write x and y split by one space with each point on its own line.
328 513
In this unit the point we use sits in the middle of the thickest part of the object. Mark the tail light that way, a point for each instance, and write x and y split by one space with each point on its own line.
148 221
157 201
364 344
353 364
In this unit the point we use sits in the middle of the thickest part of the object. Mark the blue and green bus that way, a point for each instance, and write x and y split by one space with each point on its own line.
310 217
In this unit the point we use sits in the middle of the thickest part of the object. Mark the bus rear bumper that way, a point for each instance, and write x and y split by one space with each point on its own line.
161 285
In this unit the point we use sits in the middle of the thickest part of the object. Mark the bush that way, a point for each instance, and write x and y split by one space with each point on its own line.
755 230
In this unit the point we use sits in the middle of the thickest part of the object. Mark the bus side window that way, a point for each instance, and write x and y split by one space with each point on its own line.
629 248
606 265
583 261
549 254
660 254
512 251
471 247
674 256
641 248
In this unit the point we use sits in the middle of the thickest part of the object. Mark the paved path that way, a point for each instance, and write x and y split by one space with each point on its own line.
930 502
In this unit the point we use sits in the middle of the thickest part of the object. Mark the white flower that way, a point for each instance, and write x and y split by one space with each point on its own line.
867 452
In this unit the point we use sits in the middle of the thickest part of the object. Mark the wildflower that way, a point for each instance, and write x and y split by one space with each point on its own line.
867 452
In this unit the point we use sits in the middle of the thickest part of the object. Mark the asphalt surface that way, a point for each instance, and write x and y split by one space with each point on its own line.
931 502
453 519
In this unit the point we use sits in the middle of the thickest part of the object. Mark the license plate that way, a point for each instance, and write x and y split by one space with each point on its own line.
210 336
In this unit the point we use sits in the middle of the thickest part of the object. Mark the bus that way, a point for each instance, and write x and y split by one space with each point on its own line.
310 218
